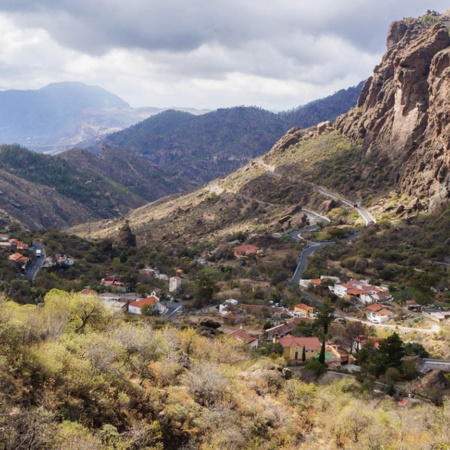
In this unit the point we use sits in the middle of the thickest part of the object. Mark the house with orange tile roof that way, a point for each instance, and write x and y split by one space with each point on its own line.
246 250
17 257
305 310
243 336
307 283
293 347
380 316
151 301
374 308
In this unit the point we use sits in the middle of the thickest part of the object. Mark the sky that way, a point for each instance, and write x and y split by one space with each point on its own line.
274 54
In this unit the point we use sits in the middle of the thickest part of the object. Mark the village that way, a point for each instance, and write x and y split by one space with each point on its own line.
362 316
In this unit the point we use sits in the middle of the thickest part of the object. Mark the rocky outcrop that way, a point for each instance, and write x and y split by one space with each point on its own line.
126 238
402 117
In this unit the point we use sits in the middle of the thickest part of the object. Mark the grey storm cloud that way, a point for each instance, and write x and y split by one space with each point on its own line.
95 26
286 46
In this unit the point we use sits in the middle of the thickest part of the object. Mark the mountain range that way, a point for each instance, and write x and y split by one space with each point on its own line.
169 153
390 152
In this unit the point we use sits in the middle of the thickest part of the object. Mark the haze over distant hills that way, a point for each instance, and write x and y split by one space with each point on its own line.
60 115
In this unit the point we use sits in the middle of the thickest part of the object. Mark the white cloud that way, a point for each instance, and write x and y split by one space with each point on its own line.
202 54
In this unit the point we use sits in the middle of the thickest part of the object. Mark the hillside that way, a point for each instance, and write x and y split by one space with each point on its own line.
43 191
75 375
374 155
202 148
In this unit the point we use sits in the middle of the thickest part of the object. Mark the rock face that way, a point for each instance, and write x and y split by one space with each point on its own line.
402 116
125 237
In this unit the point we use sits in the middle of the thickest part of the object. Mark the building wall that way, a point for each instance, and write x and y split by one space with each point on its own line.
290 354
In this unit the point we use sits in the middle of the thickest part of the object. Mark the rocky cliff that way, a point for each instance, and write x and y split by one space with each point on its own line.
402 117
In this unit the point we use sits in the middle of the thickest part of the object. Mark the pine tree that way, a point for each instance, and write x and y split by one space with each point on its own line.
322 353
304 354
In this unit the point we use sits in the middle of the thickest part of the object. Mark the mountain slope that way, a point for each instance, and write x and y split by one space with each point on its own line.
85 186
202 148
401 118
391 151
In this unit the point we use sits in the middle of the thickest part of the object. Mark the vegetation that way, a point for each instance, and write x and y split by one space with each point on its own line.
75 375
409 255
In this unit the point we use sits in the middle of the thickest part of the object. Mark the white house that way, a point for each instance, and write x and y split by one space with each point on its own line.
136 307
174 284
243 336
383 315
362 290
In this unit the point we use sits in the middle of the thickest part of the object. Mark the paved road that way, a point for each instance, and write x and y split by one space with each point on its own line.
33 268
302 261
362 211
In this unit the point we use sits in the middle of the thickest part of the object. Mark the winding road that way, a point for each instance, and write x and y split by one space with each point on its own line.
33 268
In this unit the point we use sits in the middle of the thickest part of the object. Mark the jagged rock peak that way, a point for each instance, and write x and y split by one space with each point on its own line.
402 115
126 238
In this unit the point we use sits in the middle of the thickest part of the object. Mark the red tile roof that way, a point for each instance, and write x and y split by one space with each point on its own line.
246 249
384 312
375 307
88 292
145 301
242 335
303 306
310 343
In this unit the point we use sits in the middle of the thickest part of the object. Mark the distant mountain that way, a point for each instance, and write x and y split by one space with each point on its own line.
61 115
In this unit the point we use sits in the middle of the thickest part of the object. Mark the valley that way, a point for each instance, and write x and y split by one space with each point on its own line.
238 279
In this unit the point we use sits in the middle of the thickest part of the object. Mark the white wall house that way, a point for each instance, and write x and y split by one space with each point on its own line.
136 307
174 284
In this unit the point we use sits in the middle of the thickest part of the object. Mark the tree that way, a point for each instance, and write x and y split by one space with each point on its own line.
352 331
416 349
304 354
322 353
325 316
391 351
206 288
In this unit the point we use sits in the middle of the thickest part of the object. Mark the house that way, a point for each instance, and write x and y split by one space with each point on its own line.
152 301
19 245
373 308
293 347
88 292
147 272
362 290
113 284
363 340
412 305
246 250
17 257
285 328
174 284
243 336
310 283
305 310
380 316
4 238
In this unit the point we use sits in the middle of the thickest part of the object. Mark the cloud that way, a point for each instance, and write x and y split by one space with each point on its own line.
152 50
